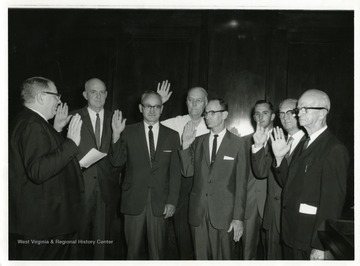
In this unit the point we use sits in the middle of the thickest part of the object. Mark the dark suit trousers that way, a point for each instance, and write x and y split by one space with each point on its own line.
34 251
93 227
252 235
295 254
211 243
181 222
145 225
274 250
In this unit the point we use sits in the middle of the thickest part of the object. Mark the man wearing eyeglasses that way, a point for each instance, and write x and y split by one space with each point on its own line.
46 189
217 200
150 190
196 101
315 180
102 190
261 160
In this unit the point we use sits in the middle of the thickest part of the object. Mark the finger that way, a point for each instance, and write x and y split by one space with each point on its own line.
158 87
230 228
124 122
272 138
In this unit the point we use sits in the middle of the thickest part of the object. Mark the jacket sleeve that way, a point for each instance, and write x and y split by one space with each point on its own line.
241 184
118 151
175 175
333 190
40 159
187 161
261 163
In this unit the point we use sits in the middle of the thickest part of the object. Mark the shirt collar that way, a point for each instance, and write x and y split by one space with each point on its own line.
220 134
154 126
40 114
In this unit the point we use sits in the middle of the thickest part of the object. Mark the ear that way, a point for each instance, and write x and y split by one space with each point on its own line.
140 108
272 116
85 95
40 98
225 114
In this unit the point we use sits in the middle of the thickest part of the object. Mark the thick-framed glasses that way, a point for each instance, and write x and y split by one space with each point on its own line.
288 113
211 112
149 107
53 93
305 109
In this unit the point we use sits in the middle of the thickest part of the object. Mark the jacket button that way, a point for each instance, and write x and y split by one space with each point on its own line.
276 198
94 176
206 194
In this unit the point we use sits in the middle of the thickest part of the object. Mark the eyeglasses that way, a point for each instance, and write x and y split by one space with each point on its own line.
53 93
212 112
154 107
288 113
305 109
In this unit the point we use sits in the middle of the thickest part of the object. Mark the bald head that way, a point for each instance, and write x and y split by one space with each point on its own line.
95 93
313 106
94 82
319 97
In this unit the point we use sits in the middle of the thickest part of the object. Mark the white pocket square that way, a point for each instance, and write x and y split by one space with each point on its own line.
167 150
227 158
307 209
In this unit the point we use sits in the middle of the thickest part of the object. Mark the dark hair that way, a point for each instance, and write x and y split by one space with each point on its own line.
224 105
32 86
265 102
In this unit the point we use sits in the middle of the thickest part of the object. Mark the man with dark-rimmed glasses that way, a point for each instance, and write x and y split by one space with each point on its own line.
217 200
315 180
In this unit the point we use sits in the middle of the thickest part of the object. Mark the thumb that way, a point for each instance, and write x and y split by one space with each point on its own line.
230 228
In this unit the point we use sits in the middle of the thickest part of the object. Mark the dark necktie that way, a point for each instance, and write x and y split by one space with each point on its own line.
151 144
97 131
287 156
214 148
306 143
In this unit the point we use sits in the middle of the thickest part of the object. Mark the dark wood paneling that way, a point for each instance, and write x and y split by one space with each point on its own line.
238 61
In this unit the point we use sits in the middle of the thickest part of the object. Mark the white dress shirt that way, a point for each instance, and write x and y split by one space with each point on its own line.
155 130
316 134
92 115
219 140
296 139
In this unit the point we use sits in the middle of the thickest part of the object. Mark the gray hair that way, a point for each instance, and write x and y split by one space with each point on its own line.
32 87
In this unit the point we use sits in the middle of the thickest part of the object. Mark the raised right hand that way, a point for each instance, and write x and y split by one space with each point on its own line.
117 125
189 134
278 143
164 90
74 131
260 135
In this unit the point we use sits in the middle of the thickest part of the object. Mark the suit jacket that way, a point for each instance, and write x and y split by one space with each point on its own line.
46 189
256 188
103 171
221 188
317 177
163 178
261 162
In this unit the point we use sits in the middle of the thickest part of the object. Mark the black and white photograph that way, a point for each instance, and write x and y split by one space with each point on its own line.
179 131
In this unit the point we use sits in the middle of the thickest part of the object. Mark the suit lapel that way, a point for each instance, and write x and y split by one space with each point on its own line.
143 148
205 148
105 137
223 147
87 122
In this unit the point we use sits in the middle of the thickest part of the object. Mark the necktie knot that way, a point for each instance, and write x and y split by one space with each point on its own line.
150 127
215 136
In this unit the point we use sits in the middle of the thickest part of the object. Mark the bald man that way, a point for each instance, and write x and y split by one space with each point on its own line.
315 180
196 101
102 190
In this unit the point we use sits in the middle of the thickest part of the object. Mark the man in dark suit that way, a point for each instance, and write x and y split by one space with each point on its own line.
217 199
151 187
46 189
314 182
102 190
196 101
261 160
